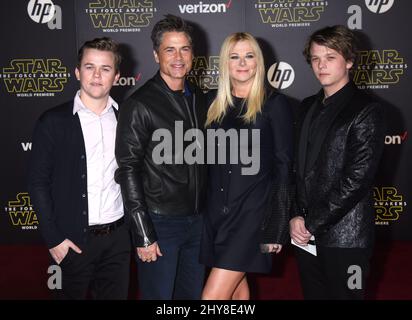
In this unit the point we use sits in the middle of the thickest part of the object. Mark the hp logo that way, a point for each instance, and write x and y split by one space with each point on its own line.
41 11
379 6
281 75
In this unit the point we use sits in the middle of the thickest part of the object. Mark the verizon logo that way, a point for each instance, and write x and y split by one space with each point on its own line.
205 7
26 146
128 81
398 139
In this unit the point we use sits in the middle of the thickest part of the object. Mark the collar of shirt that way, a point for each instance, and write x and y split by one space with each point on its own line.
79 105
337 96
186 91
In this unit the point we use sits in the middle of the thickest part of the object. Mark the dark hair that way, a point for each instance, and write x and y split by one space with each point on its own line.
170 23
103 44
338 38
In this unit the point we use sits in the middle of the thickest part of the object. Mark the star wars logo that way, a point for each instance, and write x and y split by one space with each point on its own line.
377 69
35 77
21 212
388 204
290 13
121 15
205 72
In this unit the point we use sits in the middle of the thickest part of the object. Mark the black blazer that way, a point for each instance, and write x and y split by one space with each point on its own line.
58 176
339 177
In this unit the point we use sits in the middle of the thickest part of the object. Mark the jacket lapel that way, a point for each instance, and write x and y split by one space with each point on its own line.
318 143
303 139
77 134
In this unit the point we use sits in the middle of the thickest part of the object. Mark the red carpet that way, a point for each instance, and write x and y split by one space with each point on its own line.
24 274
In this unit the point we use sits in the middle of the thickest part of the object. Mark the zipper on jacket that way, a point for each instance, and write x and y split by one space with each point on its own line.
196 178
145 238
168 93
194 125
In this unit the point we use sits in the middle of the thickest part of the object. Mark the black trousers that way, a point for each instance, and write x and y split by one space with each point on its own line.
335 273
102 268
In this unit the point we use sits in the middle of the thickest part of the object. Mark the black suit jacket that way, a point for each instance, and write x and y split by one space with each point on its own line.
58 176
334 193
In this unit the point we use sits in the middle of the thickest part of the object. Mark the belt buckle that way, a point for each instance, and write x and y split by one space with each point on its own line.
108 228
102 231
105 230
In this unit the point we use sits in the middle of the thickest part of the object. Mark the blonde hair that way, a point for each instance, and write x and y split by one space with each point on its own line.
223 98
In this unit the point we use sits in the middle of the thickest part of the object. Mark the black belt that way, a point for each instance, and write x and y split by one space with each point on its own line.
102 229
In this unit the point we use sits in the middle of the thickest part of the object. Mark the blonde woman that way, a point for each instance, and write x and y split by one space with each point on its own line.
247 213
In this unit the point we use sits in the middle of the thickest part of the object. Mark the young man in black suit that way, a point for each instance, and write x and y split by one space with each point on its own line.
340 141
71 182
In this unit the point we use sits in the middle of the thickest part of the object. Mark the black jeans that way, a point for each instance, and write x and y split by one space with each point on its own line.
103 267
335 273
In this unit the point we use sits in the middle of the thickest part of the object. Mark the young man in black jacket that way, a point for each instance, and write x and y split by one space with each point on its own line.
164 199
71 182
340 141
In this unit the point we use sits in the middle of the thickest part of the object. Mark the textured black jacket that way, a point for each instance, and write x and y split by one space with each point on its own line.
164 189
338 208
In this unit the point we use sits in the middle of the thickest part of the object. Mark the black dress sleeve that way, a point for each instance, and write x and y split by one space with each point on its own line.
275 226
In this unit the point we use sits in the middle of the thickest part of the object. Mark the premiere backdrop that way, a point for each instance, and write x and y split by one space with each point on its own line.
40 39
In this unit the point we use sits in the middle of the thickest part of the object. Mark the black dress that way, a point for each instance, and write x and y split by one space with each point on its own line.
239 206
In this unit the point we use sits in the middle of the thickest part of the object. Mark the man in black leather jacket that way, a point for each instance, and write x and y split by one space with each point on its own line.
164 199
340 141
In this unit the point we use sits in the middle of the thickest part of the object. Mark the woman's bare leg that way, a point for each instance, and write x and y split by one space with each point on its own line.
242 290
222 284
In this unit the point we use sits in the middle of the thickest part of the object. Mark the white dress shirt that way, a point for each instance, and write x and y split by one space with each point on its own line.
99 133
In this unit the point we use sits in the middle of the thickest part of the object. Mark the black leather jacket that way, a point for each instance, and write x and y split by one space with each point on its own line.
338 208
164 189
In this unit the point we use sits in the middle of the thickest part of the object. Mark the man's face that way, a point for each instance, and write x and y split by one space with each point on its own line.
330 67
174 58
96 74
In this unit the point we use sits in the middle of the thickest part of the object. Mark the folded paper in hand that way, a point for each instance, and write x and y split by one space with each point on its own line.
310 247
